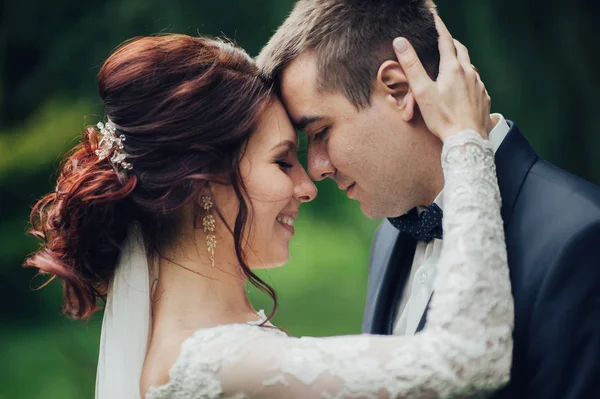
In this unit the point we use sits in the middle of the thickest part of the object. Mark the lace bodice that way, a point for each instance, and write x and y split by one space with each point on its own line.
465 348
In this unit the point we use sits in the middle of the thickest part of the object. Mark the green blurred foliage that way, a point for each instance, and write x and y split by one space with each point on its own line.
539 61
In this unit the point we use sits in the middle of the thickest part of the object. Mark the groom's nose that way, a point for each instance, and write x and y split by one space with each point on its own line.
319 165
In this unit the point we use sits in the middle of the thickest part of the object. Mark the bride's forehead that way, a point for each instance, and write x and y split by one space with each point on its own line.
272 139
274 127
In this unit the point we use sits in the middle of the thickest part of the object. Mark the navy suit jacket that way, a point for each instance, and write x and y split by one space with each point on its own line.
552 225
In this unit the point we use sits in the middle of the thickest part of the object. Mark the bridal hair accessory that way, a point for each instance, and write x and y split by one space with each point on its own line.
208 221
112 144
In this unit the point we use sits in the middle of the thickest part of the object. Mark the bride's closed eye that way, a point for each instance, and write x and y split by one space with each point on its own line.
287 157
284 164
285 160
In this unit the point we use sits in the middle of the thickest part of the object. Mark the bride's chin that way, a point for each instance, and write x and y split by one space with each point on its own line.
275 261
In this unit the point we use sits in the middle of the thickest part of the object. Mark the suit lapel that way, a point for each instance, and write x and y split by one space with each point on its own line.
381 254
514 159
397 270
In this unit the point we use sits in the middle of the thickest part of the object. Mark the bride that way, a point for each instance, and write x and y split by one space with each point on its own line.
191 183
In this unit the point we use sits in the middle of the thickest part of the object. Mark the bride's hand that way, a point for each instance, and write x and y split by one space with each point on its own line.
457 100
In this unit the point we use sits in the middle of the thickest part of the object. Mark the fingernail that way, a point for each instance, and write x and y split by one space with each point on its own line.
400 44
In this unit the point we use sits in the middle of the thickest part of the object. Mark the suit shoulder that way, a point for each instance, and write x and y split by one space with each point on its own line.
571 191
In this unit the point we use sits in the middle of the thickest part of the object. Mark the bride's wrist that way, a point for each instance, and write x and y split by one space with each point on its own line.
456 131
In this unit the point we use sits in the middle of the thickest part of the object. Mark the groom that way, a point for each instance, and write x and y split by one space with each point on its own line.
344 86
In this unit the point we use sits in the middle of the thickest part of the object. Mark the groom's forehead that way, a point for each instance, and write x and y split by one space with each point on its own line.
301 74
299 88
303 96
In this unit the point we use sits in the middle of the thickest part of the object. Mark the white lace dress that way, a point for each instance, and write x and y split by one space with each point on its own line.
464 350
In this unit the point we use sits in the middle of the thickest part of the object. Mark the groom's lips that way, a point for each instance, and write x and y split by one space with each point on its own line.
347 187
344 186
349 190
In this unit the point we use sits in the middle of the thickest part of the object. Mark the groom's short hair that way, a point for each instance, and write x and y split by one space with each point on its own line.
351 39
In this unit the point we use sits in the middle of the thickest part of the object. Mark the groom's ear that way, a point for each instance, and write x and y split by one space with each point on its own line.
392 82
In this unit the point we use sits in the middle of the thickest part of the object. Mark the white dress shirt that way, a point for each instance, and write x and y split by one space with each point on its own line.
419 285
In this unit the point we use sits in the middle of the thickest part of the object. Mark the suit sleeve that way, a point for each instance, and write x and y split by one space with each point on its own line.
565 329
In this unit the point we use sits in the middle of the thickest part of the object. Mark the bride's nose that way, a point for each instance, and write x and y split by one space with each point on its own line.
304 189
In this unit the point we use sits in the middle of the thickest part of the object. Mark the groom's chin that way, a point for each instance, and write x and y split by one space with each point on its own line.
370 211
378 211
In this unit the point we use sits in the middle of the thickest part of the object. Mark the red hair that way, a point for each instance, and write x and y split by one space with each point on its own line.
88 196
187 107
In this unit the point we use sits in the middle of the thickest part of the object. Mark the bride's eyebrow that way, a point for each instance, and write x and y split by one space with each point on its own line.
291 146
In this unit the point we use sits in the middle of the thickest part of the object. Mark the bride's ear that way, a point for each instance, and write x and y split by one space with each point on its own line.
392 82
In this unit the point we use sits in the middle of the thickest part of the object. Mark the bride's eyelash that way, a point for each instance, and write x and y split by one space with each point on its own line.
284 164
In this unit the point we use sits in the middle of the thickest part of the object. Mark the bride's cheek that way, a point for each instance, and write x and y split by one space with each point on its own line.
278 189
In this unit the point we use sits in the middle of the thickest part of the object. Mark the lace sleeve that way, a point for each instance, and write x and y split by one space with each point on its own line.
465 348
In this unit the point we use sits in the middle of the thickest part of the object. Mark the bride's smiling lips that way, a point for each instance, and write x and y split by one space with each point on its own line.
286 220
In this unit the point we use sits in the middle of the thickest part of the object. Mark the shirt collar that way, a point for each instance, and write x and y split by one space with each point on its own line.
495 137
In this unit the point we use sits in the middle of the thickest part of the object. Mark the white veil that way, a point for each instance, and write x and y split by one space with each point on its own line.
126 323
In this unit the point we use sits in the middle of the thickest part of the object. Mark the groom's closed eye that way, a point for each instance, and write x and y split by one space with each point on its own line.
320 135
304 123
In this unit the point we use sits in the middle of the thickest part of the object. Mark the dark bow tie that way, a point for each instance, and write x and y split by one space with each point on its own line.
423 227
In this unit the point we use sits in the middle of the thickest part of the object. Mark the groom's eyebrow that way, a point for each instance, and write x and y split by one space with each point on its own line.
305 121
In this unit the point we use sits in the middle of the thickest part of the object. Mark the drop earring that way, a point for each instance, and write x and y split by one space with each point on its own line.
208 222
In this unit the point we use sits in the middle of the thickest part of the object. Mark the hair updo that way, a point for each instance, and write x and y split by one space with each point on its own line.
187 107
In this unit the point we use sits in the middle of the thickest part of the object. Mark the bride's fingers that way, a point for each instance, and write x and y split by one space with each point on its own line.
462 53
485 92
485 97
418 79
445 45
480 84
